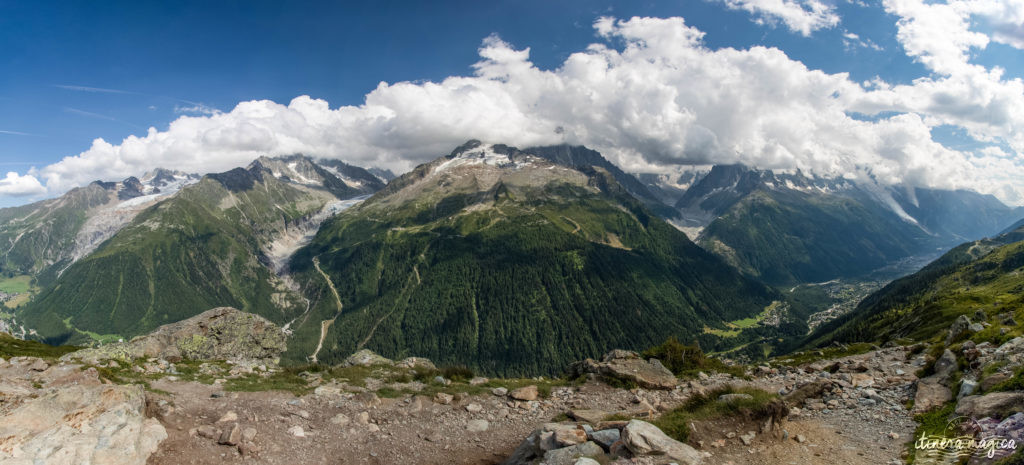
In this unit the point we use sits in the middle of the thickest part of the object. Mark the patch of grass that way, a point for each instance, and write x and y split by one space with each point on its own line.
11 346
560 417
814 355
16 284
686 361
761 404
1014 383
458 373
932 422
389 393
287 379
618 417
699 407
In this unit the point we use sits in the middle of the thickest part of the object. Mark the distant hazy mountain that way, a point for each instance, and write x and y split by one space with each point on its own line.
983 275
789 227
214 243
500 259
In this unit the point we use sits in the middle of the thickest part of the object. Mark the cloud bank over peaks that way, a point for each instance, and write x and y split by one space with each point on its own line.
649 94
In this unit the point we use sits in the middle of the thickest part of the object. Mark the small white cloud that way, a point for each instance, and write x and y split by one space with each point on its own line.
100 90
802 16
16 185
195 109
852 41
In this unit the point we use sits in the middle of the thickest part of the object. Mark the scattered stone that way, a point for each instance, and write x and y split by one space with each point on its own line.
801 438
730 398
231 436
893 435
526 393
474 407
569 455
499 391
605 438
748 438
248 434
340 419
443 398
208 432
476 381
297 431
327 391
967 387
588 416
228 417
477 426
39 365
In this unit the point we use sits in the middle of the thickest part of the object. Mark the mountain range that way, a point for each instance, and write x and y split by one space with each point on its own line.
788 228
510 261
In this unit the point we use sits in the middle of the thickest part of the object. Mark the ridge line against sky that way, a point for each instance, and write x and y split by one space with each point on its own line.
648 93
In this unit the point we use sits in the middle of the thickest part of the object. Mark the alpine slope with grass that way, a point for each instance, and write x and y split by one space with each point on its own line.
511 264
216 242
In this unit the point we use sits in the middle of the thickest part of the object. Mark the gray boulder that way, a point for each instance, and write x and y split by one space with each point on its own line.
995 405
628 366
645 439
959 327
569 455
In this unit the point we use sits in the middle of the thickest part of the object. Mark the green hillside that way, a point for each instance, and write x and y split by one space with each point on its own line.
37 236
197 250
786 236
985 275
514 269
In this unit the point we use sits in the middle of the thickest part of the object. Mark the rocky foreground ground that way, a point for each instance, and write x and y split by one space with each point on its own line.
90 409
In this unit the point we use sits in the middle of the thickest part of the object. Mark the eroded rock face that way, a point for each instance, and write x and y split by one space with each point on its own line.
626 365
84 422
223 333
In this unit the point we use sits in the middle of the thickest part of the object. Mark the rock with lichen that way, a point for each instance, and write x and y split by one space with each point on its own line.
216 334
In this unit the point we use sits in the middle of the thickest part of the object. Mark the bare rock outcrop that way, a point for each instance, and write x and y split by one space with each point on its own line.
628 366
66 416
220 333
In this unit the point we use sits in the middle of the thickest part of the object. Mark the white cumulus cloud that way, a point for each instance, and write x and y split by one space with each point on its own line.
17 185
650 94
803 16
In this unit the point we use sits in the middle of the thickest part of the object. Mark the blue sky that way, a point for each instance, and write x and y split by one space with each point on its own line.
77 71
